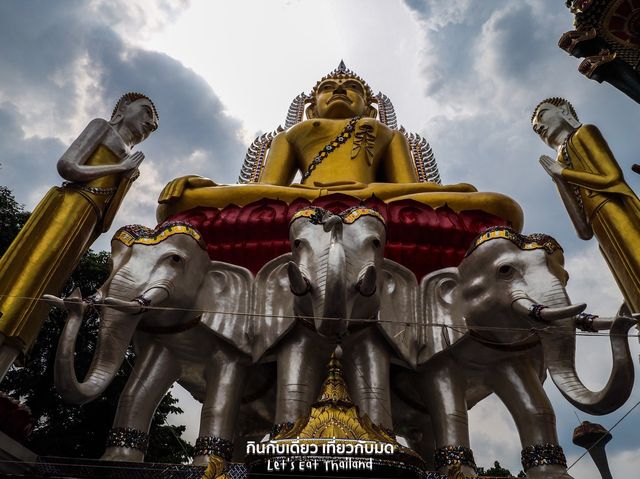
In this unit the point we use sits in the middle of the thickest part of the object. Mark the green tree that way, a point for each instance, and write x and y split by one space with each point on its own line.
12 218
496 471
69 430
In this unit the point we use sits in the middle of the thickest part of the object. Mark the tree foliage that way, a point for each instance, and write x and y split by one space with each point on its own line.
12 218
497 471
68 430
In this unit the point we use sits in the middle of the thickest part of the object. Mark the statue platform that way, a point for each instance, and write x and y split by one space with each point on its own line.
419 237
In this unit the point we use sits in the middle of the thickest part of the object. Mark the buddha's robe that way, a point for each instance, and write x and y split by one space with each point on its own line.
59 231
610 207
373 160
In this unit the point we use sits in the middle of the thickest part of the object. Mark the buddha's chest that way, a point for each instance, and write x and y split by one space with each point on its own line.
364 140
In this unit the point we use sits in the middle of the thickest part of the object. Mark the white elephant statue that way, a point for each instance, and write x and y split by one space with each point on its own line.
335 286
186 316
496 324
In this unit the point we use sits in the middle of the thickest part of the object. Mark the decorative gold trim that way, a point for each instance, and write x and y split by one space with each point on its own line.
216 468
353 214
590 65
530 242
319 215
305 213
137 234
455 472
570 41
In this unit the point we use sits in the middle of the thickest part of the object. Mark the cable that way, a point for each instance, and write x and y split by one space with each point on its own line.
603 436
547 326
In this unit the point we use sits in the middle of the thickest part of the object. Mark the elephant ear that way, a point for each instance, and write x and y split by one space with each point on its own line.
441 325
398 309
225 295
273 305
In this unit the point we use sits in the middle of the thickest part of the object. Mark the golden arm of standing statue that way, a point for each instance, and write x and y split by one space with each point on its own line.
592 146
71 165
569 197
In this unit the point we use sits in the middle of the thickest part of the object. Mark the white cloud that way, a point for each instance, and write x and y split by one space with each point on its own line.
464 73
494 435
623 465
591 281
191 415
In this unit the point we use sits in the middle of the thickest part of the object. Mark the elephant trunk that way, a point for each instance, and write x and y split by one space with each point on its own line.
116 331
559 352
559 346
335 294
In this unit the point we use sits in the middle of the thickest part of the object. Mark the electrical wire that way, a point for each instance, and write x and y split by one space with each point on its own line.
603 436
240 314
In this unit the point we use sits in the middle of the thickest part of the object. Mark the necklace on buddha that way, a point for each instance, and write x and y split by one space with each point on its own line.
339 140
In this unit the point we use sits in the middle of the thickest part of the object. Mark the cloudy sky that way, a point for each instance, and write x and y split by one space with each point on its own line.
465 74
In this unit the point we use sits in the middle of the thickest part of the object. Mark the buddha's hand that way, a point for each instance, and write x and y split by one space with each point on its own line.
552 167
131 162
175 188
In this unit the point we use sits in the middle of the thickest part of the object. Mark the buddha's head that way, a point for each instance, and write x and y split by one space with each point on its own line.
554 119
134 117
341 94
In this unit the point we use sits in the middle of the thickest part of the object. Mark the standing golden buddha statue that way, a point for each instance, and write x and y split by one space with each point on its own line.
340 148
593 190
99 168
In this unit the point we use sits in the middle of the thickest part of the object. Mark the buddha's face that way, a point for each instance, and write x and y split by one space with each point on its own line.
552 124
340 98
140 119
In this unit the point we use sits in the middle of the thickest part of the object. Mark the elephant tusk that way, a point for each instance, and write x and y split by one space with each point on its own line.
152 296
561 312
54 301
73 304
521 306
525 306
139 304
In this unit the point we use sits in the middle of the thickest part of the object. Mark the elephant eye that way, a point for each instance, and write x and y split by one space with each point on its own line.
297 243
376 243
176 258
505 270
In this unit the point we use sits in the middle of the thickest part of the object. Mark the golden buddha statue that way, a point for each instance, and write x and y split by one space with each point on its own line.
593 190
340 148
99 168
